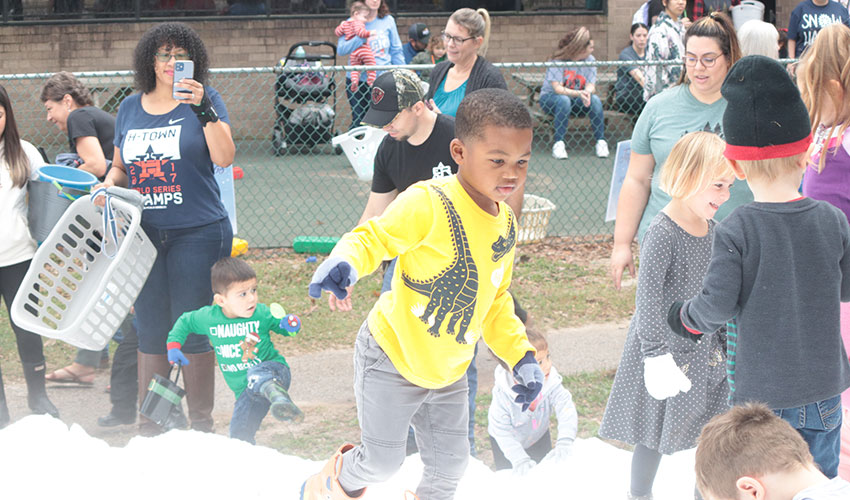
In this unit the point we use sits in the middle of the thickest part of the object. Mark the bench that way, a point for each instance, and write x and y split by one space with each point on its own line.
532 82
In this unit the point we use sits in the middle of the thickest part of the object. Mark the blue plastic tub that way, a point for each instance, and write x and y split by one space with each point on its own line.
67 176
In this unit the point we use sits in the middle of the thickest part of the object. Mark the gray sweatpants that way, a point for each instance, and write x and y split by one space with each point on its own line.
387 404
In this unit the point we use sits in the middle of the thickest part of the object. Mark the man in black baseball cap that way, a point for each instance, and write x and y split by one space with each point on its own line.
418 36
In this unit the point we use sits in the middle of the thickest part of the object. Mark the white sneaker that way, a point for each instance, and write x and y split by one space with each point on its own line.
602 148
559 151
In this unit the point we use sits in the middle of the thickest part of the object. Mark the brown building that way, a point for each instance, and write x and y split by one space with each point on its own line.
250 42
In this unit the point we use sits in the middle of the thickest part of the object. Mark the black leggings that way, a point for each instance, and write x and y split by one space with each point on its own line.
30 347
536 451
644 467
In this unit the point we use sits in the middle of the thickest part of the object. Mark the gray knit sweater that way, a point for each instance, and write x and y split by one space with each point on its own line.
778 272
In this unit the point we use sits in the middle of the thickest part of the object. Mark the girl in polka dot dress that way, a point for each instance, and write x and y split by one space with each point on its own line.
667 387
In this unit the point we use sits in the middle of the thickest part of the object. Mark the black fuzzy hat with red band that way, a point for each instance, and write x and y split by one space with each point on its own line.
765 117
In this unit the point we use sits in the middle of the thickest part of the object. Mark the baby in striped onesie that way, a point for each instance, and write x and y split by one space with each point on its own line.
363 55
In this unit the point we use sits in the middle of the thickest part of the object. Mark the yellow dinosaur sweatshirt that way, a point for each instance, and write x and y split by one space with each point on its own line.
450 285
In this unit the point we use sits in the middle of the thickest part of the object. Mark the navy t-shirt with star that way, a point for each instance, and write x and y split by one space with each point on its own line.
399 164
168 162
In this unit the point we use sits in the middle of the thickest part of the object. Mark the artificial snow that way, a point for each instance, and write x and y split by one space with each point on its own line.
41 457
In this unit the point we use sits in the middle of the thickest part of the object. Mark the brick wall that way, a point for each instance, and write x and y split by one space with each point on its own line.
250 42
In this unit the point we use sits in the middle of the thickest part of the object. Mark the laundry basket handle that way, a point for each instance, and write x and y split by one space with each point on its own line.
110 228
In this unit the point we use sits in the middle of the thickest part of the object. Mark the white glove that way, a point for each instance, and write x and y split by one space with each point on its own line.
522 467
663 378
563 449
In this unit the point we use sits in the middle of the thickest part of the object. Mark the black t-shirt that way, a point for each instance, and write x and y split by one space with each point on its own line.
398 164
91 121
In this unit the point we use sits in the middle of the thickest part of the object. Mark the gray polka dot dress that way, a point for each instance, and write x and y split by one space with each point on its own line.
672 266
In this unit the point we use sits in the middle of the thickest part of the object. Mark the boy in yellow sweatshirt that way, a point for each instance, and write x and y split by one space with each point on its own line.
454 238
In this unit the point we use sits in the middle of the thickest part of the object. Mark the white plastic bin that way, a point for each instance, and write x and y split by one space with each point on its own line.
536 211
360 145
74 292
747 10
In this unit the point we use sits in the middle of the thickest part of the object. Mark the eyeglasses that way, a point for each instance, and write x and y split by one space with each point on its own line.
167 57
707 61
454 39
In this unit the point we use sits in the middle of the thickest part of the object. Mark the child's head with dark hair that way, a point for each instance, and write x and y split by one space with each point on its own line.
493 146
748 448
490 107
234 283
165 38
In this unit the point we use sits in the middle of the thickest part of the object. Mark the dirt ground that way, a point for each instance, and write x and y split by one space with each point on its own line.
322 384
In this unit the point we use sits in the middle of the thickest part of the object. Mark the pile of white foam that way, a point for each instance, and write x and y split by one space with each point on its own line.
41 457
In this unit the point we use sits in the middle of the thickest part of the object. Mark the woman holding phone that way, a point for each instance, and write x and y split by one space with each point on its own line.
165 149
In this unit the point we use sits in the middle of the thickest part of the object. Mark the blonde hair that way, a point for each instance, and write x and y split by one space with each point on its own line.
748 440
572 44
435 42
696 160
759 38
476 22
772 168
827 58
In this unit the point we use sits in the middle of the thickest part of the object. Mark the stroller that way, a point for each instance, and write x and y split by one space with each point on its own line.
303 116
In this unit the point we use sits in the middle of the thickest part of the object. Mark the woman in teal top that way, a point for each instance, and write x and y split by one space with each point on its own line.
466 35
447 102
695 103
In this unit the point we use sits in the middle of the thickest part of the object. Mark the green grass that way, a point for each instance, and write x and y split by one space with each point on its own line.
559 285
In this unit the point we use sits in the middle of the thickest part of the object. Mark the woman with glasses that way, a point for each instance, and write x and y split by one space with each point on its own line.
571 91
466 35
665 44
165 149
386 46
695 103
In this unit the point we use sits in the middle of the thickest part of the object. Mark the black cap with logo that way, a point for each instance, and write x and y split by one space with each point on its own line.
392 92
419 32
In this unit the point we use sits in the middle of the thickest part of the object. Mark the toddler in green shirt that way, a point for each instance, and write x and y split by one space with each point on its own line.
238 328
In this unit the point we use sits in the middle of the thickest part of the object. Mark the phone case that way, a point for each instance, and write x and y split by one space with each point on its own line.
182 69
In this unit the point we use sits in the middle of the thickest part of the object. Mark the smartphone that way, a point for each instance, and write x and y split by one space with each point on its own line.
182 69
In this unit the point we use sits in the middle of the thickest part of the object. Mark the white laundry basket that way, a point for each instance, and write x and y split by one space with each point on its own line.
747 10
75 292
360 145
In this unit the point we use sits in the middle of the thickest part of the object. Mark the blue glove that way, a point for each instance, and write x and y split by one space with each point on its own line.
530 380
335 274
175 355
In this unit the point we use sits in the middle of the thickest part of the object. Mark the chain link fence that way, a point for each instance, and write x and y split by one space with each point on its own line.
296 183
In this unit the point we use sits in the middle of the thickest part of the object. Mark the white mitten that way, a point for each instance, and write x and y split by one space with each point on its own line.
663 378
523 467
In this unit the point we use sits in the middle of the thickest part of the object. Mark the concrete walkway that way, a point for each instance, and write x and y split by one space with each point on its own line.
320 379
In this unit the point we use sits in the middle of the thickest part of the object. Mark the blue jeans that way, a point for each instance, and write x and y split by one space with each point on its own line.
252 406
358 100
471 372
562 107
820 425
179 282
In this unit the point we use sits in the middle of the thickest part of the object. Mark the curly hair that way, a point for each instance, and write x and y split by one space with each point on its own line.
169 35
63 83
